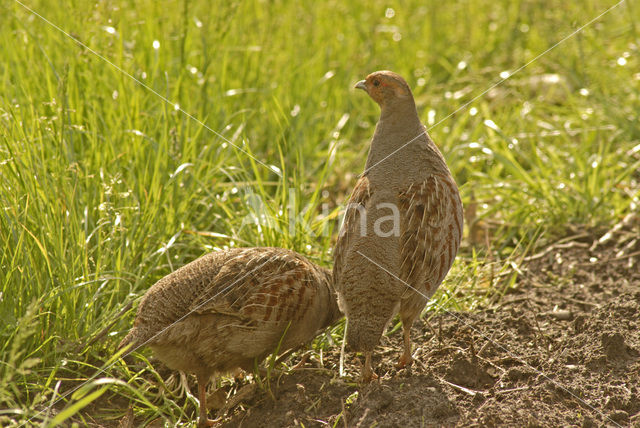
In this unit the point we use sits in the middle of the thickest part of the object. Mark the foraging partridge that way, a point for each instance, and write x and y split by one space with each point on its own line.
230 308
402 226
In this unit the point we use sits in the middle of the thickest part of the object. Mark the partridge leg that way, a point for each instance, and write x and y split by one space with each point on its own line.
367 370
406 359
203 421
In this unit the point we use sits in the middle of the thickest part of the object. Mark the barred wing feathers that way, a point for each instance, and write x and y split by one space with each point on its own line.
431 230
350 227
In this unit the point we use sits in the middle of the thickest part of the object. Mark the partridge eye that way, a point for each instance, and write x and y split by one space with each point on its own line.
376 83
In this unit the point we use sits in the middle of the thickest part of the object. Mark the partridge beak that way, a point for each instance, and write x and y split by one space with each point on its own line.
361 85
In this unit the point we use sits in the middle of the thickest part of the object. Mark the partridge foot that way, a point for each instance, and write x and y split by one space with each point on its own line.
406 360
205 423
368 377
367 371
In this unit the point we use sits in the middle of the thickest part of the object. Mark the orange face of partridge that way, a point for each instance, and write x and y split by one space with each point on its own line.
385 86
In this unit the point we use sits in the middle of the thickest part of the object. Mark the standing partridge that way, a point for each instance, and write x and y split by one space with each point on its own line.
231 309
402 226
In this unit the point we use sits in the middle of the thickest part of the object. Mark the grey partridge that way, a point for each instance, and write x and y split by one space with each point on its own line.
402 225
231 309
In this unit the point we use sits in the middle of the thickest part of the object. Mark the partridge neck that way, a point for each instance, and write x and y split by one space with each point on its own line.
399 110
398 125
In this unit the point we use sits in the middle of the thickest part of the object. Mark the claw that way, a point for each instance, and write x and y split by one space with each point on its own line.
406 360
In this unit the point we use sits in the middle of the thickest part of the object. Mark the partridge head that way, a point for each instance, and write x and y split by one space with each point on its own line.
386 88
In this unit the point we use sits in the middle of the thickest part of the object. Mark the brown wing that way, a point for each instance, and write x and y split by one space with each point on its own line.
255 300
431 229
268 286
284 295
350 226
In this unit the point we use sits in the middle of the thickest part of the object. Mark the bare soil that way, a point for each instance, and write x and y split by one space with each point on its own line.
561 348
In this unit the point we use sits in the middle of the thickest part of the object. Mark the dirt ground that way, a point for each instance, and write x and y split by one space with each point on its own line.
562 348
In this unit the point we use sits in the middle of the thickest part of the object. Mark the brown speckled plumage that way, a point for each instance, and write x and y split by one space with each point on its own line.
229 308
414 179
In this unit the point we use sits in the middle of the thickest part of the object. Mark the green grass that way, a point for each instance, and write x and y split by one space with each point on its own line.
105 188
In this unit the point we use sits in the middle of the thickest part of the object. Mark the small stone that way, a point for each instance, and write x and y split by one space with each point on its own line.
562 315
619 416
579 323
301 389
588 422
478 398
614 346
386 398
518 373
